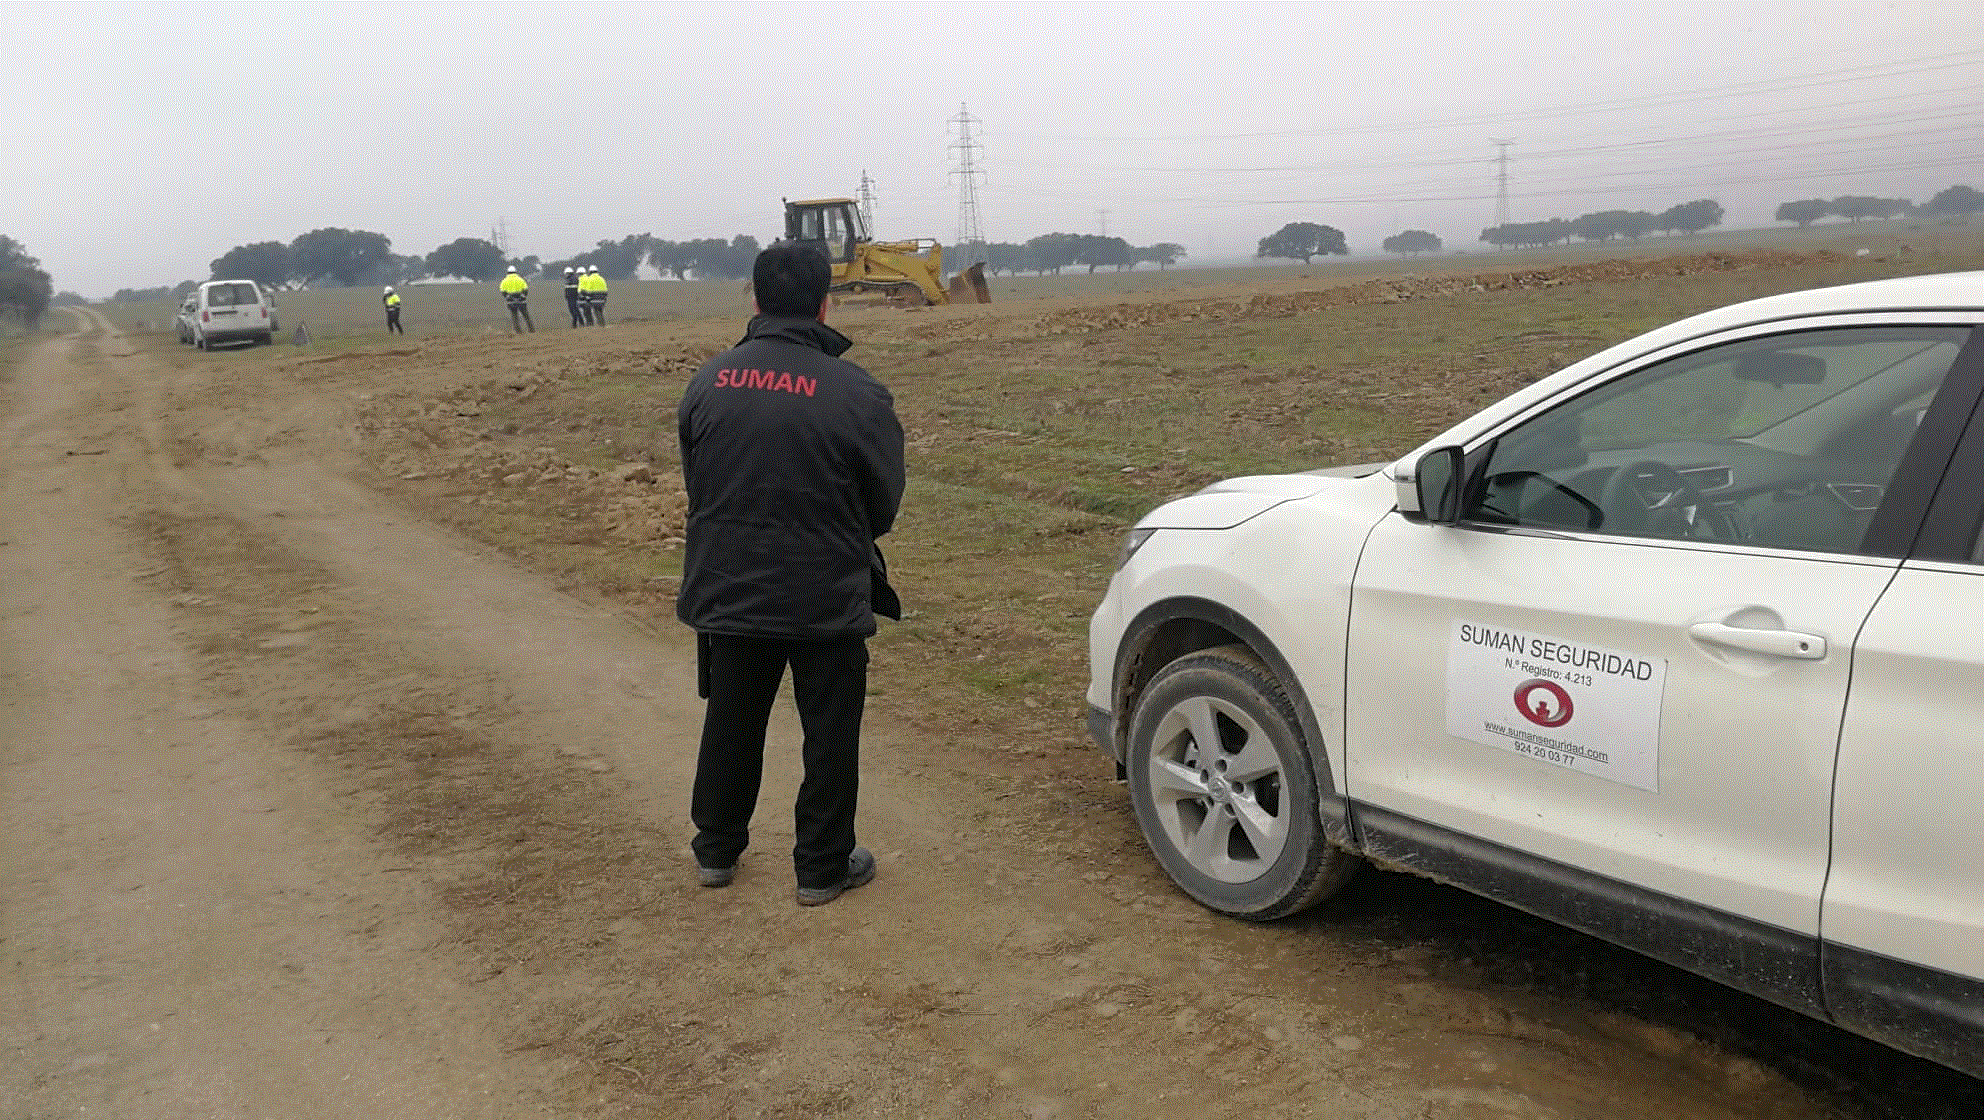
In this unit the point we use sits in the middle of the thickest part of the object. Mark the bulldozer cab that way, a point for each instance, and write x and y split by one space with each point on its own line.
908 273
831 225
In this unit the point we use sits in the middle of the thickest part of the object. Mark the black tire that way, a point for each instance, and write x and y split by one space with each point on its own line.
1235 827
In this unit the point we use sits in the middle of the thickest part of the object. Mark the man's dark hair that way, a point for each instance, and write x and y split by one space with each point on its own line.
791 280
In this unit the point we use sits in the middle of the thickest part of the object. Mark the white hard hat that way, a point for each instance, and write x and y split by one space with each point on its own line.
513 268
592 268
389 289
568 270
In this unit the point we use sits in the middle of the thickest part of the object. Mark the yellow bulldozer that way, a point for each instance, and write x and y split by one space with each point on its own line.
909 273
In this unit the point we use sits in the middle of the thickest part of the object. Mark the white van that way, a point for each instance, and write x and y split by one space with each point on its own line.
232 311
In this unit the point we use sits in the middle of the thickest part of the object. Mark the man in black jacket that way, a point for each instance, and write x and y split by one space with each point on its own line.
572 297
793 461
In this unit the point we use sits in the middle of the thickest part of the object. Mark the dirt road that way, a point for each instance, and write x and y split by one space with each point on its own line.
311 809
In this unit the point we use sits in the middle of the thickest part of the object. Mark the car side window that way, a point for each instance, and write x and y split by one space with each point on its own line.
840 239
1784 441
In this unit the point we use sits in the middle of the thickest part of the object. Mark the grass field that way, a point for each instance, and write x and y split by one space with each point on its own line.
1038 428
1038 431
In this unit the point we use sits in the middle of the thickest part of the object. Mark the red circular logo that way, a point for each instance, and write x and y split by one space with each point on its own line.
1543 703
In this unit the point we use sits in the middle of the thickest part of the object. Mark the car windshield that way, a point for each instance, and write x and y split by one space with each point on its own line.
233 295
1730 393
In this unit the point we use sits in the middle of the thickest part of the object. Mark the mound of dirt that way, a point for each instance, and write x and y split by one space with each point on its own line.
459 437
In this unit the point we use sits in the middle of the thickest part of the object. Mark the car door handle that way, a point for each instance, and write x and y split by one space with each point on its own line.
1781 643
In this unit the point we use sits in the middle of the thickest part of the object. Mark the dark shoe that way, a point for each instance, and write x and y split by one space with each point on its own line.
860 870
716 876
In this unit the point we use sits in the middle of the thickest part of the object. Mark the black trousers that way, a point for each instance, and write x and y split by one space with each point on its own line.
572 305
830 689
393 320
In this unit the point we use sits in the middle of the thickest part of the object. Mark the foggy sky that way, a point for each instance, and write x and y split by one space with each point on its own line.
148 139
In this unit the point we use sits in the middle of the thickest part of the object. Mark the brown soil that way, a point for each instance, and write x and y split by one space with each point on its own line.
312 808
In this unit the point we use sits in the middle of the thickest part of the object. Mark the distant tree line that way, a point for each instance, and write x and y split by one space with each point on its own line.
1950 202
343 257
1953 202
1604 225
328 257
1852 207
24 288
334 257
164 291
705 258
1052 252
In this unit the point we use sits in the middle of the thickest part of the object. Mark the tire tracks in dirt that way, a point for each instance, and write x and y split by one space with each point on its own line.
191 926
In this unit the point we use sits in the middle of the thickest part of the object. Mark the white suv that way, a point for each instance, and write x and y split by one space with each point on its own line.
1682 646
231 311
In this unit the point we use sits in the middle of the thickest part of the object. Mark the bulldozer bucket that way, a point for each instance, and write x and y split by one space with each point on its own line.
969 286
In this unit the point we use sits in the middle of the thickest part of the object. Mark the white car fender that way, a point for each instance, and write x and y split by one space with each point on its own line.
1285 573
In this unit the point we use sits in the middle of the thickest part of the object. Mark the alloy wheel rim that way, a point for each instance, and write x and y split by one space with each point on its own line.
1219 789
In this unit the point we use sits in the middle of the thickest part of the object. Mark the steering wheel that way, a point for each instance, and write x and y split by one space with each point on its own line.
1640 489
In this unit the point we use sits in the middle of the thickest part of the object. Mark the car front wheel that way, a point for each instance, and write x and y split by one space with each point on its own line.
1225 789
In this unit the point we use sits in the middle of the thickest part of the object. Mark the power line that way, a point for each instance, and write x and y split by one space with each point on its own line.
868 202
1966 110
1765 134
1643 165
1946 61
1391 199
1501 181
971 234
1879 134
1733 151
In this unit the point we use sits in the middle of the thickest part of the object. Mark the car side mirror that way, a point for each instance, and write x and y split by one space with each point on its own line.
1433 488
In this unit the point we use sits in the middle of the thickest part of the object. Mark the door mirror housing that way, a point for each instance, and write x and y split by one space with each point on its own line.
1432 489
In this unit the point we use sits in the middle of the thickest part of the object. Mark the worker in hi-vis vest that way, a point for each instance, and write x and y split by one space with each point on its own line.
516 296
592 288
392 301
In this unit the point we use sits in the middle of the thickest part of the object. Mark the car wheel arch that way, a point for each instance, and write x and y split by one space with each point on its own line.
1169 629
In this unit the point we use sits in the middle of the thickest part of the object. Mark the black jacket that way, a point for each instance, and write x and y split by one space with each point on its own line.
794 465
